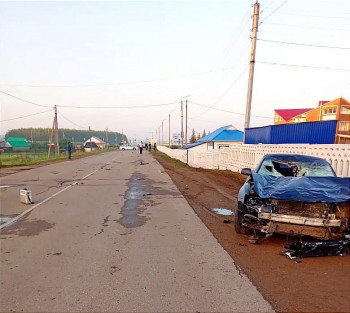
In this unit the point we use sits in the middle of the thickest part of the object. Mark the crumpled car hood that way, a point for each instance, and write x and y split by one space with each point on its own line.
304 189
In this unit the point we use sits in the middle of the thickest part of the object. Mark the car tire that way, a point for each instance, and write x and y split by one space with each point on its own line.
123 149
239 228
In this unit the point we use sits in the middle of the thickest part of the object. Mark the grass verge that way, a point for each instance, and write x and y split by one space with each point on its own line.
169 159
28 158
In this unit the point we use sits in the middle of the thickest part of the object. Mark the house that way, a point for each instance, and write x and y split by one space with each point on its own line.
222 137
290 116
338 109
97 141
18 144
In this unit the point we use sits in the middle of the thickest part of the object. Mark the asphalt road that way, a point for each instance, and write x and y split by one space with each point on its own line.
111 232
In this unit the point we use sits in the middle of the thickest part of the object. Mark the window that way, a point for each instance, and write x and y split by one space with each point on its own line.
345 110
344 126
299 120
330 110
277 118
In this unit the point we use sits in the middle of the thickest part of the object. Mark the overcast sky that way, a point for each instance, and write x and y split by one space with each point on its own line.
145 56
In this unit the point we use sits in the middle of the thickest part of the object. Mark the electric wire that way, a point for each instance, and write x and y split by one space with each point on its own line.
226 92
68 120
24 116
94 107
308 27
310 15
305 66
118 107
18 98
121 83
233 39
274 11
303 44
227 111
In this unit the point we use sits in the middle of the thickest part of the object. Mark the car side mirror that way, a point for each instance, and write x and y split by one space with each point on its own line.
246 171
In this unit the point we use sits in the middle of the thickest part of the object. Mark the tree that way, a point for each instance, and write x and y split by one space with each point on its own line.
193 137
204 134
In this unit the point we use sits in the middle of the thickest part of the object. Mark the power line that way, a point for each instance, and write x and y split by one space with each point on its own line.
119 107
83 127
226 92
121 83
274 11
233 39
310 27
305 66
304 44
24 116
310 15
40 105
93 107
227 111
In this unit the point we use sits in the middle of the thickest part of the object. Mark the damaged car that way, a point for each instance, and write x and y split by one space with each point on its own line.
294 195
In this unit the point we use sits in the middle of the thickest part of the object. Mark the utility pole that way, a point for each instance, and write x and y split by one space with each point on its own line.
107 137
182 120
186 125
162 133
50 138
252 64
182 123
57 144
169 131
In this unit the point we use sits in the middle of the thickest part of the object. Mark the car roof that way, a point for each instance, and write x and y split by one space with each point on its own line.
294 157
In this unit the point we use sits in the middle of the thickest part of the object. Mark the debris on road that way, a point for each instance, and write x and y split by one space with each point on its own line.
300 249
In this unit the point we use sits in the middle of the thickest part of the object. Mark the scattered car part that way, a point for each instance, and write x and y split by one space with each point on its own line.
319 248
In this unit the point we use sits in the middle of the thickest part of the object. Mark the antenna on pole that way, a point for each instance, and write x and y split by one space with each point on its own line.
252 64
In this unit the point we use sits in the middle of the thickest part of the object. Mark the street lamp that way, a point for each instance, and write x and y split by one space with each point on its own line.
169 125
182 120
163 131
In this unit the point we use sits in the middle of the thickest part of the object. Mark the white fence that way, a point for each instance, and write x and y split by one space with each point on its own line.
238 156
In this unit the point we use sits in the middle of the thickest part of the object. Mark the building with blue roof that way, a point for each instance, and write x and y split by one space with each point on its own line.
222 137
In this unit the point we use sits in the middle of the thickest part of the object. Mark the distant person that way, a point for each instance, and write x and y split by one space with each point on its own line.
141 147
149 146
69 149
146 146
155 146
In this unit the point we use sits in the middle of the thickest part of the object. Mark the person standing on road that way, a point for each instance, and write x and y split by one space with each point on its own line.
69 148
141 147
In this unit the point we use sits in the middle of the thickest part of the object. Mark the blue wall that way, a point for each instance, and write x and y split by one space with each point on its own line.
309 132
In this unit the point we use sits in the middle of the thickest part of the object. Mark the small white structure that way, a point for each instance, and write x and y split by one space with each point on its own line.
94 141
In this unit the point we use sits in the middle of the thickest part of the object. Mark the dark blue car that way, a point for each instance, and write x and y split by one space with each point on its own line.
295 195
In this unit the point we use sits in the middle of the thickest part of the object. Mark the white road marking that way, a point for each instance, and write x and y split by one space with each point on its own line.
42 202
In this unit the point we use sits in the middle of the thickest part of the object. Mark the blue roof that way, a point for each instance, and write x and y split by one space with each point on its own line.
225 133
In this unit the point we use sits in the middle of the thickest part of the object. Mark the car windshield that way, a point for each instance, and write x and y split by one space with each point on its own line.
280 167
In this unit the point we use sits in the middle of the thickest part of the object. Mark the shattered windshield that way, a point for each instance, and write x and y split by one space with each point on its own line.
280 167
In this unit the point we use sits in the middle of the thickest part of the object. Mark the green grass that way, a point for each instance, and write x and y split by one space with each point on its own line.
169 159
29 158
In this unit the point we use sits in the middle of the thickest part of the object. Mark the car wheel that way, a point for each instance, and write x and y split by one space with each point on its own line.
239 228
123 148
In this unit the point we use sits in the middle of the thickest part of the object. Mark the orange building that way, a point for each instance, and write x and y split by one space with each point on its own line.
338 109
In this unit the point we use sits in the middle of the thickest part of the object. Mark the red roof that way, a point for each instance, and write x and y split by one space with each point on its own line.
287 114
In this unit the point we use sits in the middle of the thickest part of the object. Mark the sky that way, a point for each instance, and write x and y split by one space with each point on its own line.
125 65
